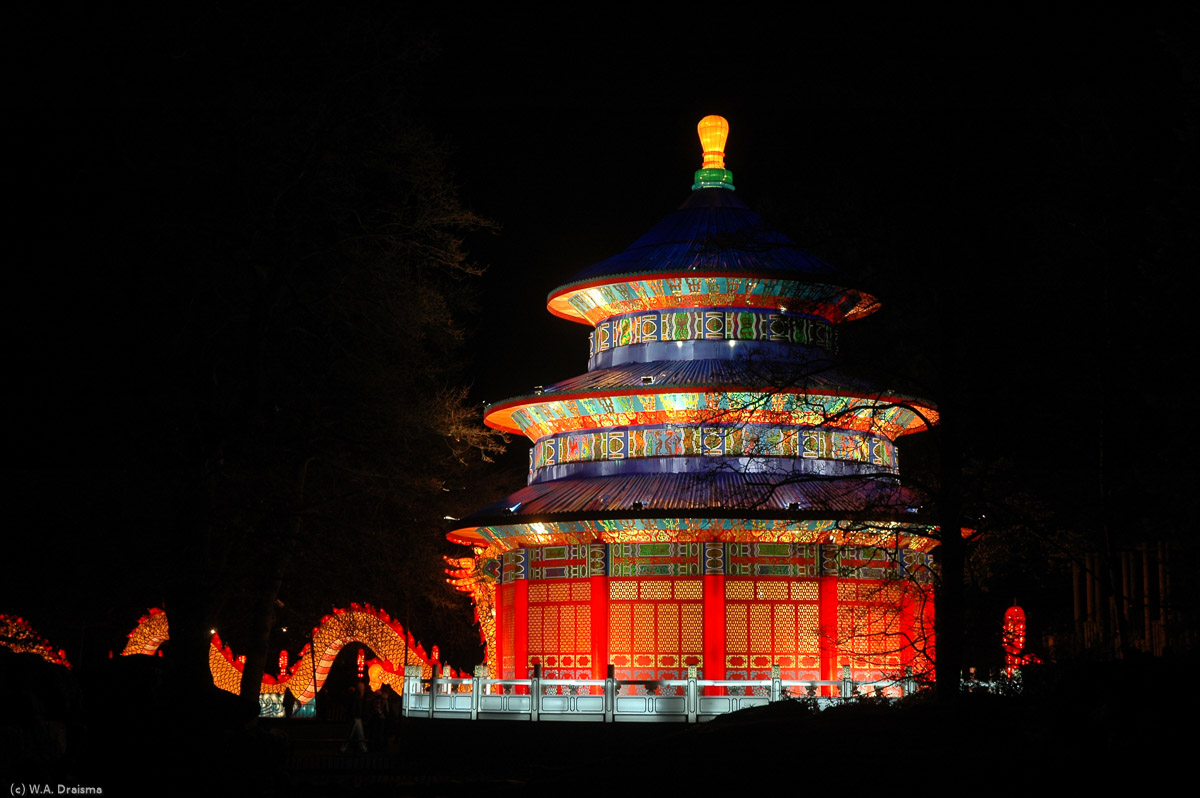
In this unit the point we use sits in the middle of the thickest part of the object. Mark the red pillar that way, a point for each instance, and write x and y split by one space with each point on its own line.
521 629
827 613
599 610
714 630
500 625
827 595
927 629
907 626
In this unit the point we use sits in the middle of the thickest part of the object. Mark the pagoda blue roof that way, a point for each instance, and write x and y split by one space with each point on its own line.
713 234
714 407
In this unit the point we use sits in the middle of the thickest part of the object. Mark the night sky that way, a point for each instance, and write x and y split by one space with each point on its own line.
1034 178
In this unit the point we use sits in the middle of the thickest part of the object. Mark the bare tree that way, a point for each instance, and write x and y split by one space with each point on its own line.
309 425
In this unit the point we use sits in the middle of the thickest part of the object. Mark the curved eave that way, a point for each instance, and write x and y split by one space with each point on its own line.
667 501
558 301
907 535
879 526
461 534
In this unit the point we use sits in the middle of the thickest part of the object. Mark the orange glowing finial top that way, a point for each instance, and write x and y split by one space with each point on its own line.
713 130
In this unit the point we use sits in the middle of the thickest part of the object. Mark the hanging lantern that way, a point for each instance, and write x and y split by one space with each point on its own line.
283 662
1013 639
362 657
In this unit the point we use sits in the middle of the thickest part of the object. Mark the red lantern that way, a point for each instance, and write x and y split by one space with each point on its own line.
1013 639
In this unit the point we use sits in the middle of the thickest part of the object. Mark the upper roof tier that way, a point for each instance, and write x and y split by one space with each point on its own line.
712 234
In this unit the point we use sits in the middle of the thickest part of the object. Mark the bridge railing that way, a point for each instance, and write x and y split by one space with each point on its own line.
615 700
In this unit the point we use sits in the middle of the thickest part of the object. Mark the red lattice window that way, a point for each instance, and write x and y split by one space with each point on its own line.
656 627
771 621
872 620
560 628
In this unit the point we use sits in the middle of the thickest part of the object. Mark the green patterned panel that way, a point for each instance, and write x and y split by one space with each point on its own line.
774 570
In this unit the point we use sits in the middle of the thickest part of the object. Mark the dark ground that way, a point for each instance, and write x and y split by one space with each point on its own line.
1093 724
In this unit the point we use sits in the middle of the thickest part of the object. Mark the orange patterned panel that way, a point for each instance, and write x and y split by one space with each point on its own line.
692 628
566 628
550 631
735 628
620 627
771 590
643 627
739 590
583 628
656 590
668 627
760 627
808 622
785 628
804 591
622 590
534 638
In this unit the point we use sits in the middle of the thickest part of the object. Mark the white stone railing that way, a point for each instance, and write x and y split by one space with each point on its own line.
613 700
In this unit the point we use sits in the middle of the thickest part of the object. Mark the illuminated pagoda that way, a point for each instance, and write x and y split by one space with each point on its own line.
715 491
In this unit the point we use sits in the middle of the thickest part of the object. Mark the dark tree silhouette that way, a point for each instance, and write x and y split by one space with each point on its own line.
299 421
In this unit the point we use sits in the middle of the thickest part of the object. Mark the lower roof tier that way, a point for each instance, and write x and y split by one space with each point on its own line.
720 506
883 534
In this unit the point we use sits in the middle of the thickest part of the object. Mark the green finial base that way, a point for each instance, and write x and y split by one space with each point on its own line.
713 178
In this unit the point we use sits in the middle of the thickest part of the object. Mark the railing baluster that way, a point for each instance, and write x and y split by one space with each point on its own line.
535 692
693 701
